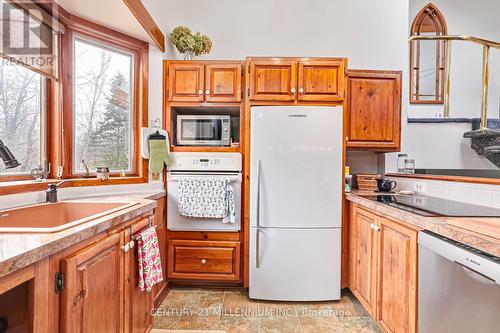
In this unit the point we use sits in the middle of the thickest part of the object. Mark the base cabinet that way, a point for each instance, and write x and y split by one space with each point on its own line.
383 269
101 292
92 299
397 277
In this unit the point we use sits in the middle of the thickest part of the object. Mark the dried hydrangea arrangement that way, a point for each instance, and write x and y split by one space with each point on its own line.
188 44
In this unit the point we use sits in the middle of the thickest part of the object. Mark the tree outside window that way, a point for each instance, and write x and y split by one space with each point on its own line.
102 110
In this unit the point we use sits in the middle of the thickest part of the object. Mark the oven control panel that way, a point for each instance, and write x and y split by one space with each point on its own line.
190 161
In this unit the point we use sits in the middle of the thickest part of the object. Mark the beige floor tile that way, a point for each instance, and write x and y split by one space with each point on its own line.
324 324
206 302
237 303
239 324
277 309
279 324
316 309
166 322
196 322
176 299
359 325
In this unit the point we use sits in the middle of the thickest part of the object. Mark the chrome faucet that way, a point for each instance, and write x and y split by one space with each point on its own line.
51 193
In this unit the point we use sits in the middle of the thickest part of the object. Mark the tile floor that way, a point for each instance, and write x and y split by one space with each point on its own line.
231 310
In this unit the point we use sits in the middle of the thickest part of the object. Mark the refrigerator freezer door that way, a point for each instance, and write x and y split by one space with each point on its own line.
295 264
299 150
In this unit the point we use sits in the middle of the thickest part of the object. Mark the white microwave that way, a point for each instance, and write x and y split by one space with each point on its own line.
203 130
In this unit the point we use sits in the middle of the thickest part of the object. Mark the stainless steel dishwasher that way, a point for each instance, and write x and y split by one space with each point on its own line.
458 289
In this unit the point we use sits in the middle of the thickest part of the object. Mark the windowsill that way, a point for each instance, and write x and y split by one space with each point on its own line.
21 186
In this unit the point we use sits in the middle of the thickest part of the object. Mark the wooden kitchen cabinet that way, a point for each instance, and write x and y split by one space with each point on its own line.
204 81
92 298
223 82
383 269
296 79
397 276
363 249
273 80
186 81
204 260
374 110
321 80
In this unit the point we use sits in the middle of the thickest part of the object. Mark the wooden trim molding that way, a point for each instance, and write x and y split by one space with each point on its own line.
142 15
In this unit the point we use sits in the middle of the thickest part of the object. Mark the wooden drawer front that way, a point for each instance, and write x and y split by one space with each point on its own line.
273 80
321 81
204 260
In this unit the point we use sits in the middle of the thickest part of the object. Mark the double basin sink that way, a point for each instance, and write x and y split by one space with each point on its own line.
56 217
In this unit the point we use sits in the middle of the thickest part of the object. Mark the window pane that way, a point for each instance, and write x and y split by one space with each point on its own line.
102 110
20 116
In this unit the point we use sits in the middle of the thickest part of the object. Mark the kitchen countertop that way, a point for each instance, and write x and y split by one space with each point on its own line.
20 250
480 233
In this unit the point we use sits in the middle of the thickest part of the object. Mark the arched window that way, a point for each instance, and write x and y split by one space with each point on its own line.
427 58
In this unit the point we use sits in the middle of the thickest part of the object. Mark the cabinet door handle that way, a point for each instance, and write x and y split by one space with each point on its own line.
301 90
293 90
200 92
126 247
207 92
203 261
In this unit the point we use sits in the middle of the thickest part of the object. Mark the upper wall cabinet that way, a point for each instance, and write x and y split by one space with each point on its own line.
301 79
273 80
374 110
200 81
321 80
185 82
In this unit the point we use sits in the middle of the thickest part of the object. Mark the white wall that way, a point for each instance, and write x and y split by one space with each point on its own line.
371 34
442 145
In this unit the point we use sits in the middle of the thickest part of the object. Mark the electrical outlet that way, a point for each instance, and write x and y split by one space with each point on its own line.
419 187
59 171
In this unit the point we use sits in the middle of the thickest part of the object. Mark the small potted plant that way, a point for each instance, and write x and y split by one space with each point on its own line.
190 45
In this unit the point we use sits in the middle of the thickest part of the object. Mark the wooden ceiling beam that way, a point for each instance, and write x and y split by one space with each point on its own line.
142 15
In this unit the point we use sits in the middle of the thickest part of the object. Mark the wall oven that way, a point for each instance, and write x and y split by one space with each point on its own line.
203 130
211 165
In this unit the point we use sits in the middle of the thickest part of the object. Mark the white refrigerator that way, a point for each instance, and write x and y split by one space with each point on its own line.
296 191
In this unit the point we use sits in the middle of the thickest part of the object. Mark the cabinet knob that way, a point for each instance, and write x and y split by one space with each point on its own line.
203 261
293 90
200 92
207 92
126 248
301 90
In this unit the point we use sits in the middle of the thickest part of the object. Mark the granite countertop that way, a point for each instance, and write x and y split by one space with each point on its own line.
471 231
18 250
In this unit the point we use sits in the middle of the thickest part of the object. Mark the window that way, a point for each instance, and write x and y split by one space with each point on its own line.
428 57
22 119
103 107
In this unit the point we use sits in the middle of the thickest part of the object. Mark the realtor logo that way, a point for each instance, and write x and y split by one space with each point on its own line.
25 29
28 33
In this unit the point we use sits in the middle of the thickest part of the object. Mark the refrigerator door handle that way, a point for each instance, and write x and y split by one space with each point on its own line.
257 247
257 236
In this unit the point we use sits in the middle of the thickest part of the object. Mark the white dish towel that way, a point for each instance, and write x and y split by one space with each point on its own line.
207 198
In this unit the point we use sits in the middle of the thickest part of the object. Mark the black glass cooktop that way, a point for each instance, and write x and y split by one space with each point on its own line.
431 206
